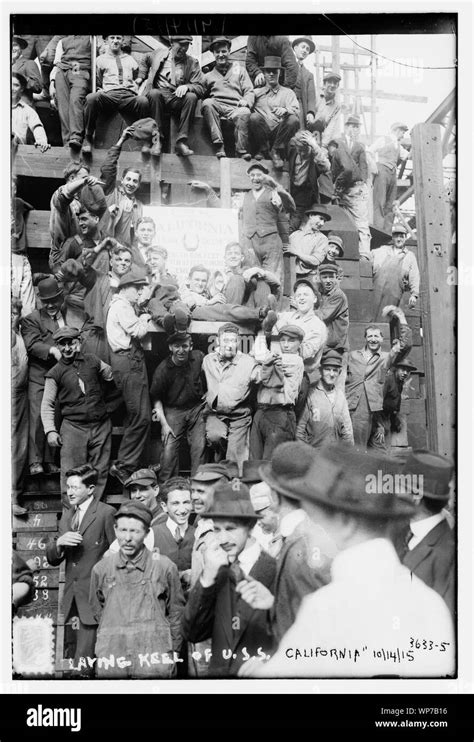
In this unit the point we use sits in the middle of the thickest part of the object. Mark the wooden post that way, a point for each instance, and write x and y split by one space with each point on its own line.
437 296
155 181
226 192
373 84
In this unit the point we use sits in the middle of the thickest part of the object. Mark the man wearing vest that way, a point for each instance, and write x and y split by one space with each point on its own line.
388 152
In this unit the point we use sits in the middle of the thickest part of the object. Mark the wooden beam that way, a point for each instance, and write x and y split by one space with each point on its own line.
343 50
225 185
389 96
437 297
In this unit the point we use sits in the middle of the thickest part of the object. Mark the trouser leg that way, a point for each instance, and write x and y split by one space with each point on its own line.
354 202
38 449
283 133
96 103
234 291
62 99
176 419
280 426
361 421
226 313
211 114
240 117
19 441
390 198
98 453
132 107
237 438
259 134
79 87
269 252
196 435
130 377
73 451
379 194
157 101
256 436
184 109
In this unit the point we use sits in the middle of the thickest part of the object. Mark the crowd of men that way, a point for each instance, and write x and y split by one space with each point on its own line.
259 496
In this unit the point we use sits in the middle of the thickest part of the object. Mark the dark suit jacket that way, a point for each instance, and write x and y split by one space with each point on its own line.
29 69
181 553
348 165
211 612
97 530
152 63
296 577
305 91
433 561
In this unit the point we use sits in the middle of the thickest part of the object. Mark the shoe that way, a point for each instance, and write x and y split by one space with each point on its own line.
169 325
245 156
51 469
18 510
75 143
220 151
156 149
146 150
269 322
87 146
181 319
182 149
277 161
118 473
36 468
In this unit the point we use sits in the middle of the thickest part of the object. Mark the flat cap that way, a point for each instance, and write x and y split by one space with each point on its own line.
210 472
261 496
179 337
320 211
134 276
257 166
220 40
355 120
182 39
399 229
328 266
304 282
334 239
332 75
399 125
66 333
293 331
135 509
141 476
331 358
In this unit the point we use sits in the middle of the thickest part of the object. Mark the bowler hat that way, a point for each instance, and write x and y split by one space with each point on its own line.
258 166
49 288
355 120
271 63
293 331
304 282
141 476
399 228
320 210
22 43
134 276
350 480
182 39
289 462
307 40
328 266
332 76
232 500
21 79
251 471
334 239
66 333
135 509
220 40
331 358
405 363
435 470
210 472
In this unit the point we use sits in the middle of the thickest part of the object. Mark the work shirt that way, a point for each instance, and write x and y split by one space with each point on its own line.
281 386
329 114
123 324
229 381
116 71
310 242
75 54
179 386
315 336
388 151
24 117
229 87
325 418
409 272
267 98
333 309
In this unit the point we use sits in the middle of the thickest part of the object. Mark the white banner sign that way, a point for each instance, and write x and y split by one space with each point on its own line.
193 236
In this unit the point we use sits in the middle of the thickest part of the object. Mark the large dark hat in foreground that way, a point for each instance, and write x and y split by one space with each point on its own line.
353 481
433 474
290 461
232 501
251 471
49 289
22 43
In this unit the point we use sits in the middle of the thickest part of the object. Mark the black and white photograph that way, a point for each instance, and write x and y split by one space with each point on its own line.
234 286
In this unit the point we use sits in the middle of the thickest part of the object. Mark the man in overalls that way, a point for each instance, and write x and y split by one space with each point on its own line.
395 270
137 600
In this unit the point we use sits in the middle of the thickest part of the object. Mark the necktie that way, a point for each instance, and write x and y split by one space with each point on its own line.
75 520
177 535
408 537
237 572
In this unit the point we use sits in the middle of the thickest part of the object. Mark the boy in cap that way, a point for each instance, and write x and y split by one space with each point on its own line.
24 117
85 436
137 600
277 393
214 608
333 310
388 152
335 248
177 391
27 68
308 244
305 88
350 173
174 83
116 73
365 622
427 546
307 161
395 271
328 120
229 95
274 119
326 415
395 380
124 330
85 531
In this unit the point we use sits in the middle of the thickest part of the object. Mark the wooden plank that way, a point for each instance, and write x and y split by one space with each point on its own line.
35 542
437 297
35 522
35 559
348 282
360 305
387 96
49 610
46 579
366 284
225 184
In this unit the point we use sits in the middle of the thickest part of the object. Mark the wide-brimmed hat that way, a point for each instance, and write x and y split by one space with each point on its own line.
405 363
354 481
307 40
320 210
48 289
251 470
271 63
141 476
220 40
232 501
22 43
435 470
289 462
